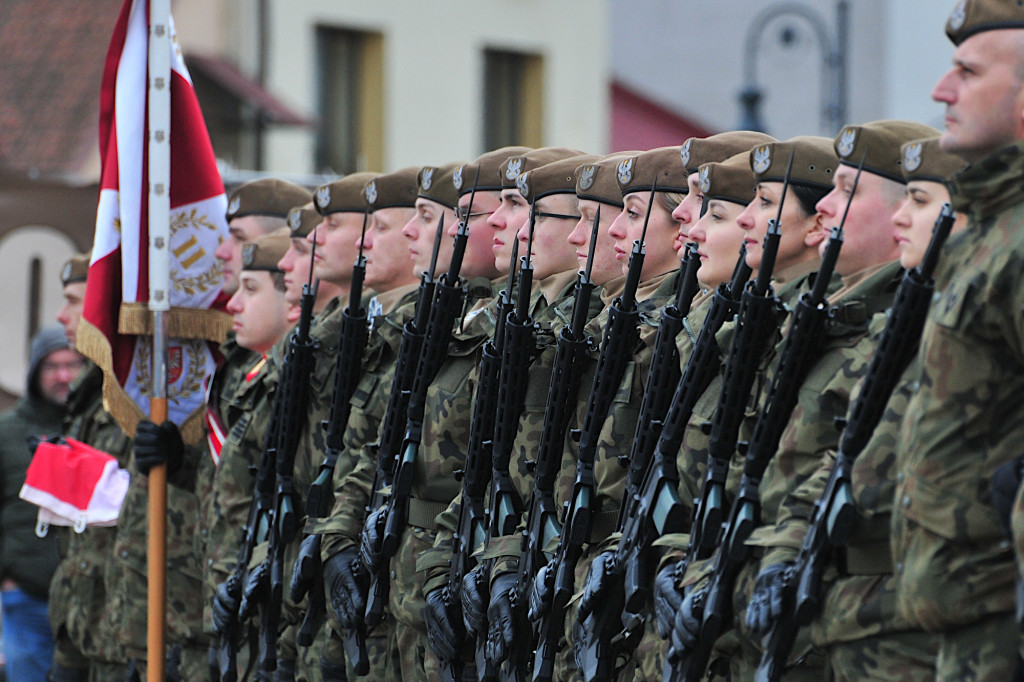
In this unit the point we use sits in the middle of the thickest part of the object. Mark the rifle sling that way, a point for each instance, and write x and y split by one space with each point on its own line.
423 513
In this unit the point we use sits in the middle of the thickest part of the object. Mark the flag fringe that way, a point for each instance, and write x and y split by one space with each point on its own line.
136 319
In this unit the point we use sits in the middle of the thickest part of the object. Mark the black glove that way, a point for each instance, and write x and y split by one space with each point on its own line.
306 568
668 597
155 445
225 605
1004 484
686 624
344 581
766 602
285 671
542 593
501 630
596 584
369 539
332 671
445 632
475 596
59 673
257 585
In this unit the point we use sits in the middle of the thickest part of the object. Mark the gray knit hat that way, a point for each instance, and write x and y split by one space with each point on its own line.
47 340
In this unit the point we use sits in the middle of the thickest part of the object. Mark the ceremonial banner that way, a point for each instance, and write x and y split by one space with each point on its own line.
116 322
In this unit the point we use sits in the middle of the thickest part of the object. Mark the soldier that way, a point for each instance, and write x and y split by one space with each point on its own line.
954 568
86 647
296 262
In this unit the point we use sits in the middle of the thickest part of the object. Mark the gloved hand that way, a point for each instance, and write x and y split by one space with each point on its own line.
686 624
331 670
500 618
225 605
370 538
596 584
345 580
257 584
445 632
306 567
285 671
155 445
766 602
1003 485
475 596
542 592
668 597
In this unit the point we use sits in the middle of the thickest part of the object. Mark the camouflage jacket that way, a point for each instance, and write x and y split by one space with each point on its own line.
953 564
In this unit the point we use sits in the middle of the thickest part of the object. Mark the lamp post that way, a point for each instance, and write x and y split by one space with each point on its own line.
833 53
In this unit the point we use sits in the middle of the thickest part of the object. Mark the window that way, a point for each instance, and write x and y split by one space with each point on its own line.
513 99
351 100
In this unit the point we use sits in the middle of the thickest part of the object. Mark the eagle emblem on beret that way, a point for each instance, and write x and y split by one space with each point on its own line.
705 178
762 159
847 141
457 178
587 177
65 274
248 255
427 179
958 16
624 172
912 157
236 203
523 184
295 218
684 152
514 168
323 197
371 192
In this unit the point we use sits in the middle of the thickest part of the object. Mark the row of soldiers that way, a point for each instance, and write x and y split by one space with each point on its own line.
656 414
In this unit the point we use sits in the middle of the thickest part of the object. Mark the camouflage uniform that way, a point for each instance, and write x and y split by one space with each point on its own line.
78 596
954 568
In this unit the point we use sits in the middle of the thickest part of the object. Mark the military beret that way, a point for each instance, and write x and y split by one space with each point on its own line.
302 220
489 165
436 183
345 194
264 252
76 269
511 168
638 173
814 161
557 177
729 180
266 196
975 16
926 160
392 190
697 151
596 181
878 143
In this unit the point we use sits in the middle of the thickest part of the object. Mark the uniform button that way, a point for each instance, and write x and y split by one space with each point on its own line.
899 477
906 501
84 565
899 568
209 562
936 296
124 554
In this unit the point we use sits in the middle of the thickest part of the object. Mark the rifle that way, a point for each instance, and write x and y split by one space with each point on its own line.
476 471
833 514
448 300
595 653
617 345
542 520
308 577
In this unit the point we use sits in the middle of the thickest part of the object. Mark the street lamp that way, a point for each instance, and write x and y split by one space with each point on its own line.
833 53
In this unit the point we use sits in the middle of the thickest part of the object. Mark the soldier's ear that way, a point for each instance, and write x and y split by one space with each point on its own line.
817 233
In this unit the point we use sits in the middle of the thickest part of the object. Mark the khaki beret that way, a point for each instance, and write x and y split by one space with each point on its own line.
926 160
975 16
435 183
638 173
345 194
730 180
511 168
264 252
557 177
697 151
489 165
302 220
76 269
596 181
267 196
878 143
814 161
392 190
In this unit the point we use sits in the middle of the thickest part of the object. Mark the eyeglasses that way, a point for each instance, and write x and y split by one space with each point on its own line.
563 216
463 217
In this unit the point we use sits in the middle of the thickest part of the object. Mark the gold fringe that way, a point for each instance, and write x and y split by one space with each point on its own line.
91 342
182 323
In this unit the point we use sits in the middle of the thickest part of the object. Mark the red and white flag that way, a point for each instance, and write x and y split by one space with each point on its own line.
116 323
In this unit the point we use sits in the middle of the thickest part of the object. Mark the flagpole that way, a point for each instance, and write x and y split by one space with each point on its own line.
159 303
